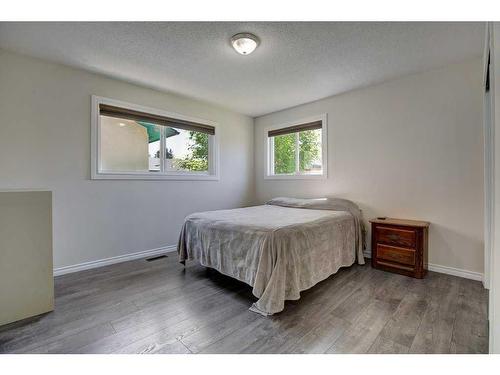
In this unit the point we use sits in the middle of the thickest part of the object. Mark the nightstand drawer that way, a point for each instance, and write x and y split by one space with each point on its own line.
396 254
396 236
400 246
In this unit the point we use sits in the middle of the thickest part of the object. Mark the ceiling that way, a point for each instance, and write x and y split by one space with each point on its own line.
296 62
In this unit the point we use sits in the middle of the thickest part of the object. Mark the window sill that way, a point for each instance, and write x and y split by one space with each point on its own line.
155 176
296 177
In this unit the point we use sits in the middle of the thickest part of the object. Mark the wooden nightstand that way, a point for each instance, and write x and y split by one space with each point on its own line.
400 246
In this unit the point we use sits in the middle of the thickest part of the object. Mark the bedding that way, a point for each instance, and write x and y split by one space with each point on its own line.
280 248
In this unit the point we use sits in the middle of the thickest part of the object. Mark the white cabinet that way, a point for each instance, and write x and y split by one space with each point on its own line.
26 271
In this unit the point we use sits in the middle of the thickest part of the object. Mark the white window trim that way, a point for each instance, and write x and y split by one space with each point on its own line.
96 174
269 161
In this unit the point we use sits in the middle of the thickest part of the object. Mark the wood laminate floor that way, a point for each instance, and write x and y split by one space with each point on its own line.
160 307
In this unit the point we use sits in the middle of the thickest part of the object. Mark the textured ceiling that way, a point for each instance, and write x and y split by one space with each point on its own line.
296 62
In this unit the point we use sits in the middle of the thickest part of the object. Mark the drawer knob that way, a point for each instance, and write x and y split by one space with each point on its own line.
393 236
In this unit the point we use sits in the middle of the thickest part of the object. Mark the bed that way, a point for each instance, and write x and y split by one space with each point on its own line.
280 248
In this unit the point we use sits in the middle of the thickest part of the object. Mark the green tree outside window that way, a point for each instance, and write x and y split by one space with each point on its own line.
285 153
197 160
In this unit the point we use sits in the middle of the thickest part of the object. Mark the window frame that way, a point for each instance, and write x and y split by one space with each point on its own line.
297 175
97 174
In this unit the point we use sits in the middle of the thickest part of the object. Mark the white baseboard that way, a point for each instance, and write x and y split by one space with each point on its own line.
456 272
448 270
168 249
118 259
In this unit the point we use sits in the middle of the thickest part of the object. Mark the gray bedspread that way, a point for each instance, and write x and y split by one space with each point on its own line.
280 249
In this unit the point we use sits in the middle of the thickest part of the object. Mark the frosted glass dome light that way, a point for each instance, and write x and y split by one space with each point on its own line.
244 43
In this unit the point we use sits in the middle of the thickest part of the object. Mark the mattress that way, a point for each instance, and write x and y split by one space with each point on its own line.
280 248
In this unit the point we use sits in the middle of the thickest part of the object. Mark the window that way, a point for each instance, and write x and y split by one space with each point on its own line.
134 142
297 150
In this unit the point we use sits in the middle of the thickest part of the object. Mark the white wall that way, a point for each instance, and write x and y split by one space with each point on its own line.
45 143
409 148
494 301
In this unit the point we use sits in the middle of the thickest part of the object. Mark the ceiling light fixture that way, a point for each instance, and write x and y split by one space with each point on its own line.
244 43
